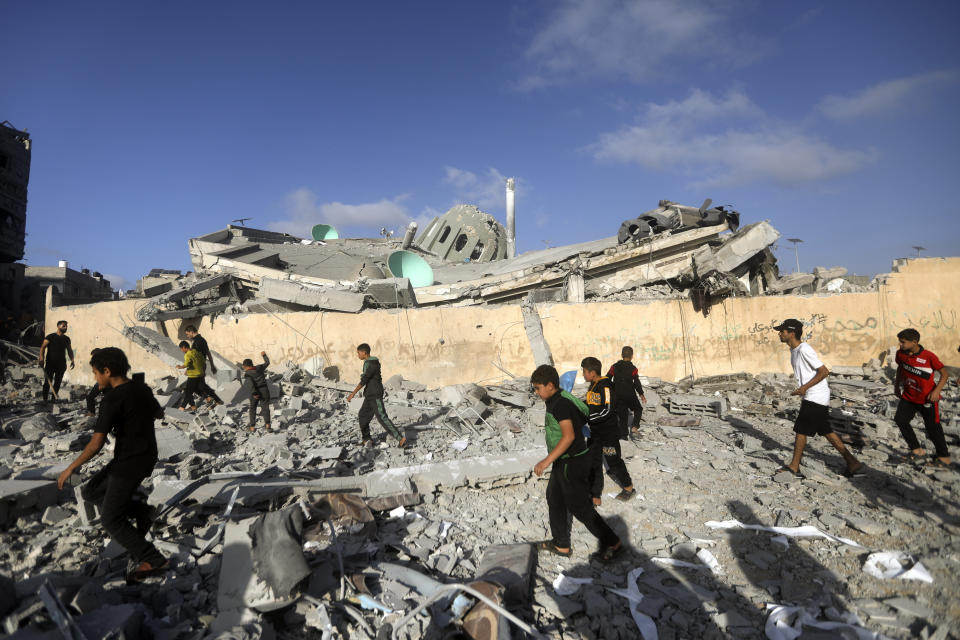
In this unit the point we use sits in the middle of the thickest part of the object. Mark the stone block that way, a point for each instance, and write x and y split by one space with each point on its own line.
177 415
510 566
172 442
20 496
54 515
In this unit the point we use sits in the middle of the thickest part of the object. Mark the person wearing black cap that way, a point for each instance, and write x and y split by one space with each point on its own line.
811 375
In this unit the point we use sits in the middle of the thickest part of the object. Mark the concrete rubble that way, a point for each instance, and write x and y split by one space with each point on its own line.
461 258
300 532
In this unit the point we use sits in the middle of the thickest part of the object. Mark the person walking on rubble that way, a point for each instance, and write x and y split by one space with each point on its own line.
373 399
626 388
53 352
814 417
919 394
127 412
604 433
568 490
194 363
255 381
200 344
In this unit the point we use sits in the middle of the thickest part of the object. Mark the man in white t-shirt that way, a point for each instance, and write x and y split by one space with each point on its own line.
814 416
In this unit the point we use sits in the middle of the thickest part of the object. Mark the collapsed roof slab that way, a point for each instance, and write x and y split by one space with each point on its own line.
313 296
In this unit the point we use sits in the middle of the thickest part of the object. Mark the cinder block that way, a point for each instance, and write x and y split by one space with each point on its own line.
689 403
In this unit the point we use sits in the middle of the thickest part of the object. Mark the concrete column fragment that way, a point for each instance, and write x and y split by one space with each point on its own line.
534 329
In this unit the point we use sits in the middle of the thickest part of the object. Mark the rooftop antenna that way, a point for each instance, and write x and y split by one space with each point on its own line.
919 249
242 220
795 242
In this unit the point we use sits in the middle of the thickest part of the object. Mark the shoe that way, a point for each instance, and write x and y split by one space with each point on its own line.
597 502
625 495
548 545
145 570
365 444
607 554
937 463
403 442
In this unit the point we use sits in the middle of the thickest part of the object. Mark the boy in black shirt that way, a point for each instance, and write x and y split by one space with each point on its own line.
604 440
568 491
127 412
200 344
255 380
626 388
373 398
53 358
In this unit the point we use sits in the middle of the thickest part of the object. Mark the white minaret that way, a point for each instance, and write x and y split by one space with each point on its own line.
511 220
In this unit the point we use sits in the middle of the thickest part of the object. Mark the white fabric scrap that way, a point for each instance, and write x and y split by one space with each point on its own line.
792 532
566 585
648 628
890 564
778 627
399 512
708 559
460 445
673 562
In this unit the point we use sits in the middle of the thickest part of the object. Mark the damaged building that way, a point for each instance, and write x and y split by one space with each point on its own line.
462 258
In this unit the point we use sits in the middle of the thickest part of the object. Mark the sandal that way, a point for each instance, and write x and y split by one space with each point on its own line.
548 545
914 458
858 472
795 474
937 463
607 554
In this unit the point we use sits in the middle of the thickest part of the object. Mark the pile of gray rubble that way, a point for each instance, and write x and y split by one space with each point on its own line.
300 532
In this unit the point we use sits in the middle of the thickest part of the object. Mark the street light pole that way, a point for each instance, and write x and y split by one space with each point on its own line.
796 251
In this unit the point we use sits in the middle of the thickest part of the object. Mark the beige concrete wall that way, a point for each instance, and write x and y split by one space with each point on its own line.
671 340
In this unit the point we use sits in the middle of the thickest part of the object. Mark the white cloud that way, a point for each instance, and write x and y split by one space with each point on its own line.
888 97
118 282
724 141
631 39
302 212
487 190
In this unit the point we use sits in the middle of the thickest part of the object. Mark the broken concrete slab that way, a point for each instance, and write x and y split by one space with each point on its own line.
391 292
312 296
172 442
19 496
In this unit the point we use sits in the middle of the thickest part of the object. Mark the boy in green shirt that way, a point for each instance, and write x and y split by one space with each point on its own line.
568 491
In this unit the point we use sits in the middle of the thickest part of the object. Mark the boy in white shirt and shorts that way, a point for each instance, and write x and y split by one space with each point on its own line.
814 416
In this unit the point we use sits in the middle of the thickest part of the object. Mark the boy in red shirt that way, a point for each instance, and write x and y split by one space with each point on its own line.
918 394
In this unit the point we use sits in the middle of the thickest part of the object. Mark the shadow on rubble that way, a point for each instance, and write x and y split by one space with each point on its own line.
877 486
789 574
682 602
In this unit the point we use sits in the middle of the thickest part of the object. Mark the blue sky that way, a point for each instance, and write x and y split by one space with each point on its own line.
156 122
